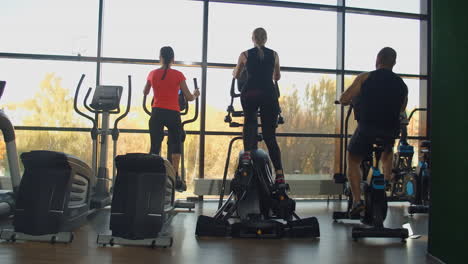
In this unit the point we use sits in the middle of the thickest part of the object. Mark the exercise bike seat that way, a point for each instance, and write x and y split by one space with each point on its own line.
425 145
378 145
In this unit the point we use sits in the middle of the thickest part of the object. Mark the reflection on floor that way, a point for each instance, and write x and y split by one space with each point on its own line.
334 246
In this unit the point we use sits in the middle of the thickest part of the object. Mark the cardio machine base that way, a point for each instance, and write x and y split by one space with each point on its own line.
418 209
163 241
61 237
302 228
363 232
101 201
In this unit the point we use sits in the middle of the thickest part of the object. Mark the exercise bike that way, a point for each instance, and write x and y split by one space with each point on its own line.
143 202
255 207
375 198
402 185
418 189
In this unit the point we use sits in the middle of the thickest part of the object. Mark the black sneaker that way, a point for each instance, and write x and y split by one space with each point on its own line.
356 210
180 184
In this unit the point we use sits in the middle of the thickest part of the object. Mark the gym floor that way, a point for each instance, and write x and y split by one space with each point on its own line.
334 246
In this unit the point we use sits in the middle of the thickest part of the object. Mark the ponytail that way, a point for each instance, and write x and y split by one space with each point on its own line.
164 75
259 37
261 54
167 54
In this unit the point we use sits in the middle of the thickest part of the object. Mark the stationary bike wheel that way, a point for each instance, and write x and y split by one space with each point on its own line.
375 214
398 187
367 217
384 208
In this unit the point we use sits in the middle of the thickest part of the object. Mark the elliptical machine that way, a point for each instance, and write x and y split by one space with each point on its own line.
255 207
375 197
143 201
105 102
55 193
7 197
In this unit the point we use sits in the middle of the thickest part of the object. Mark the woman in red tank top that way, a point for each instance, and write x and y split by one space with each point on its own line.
166 84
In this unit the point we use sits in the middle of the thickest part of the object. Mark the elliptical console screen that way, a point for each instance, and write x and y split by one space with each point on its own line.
107 97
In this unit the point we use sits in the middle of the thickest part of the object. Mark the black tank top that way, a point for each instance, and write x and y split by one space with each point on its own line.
260 72
380 100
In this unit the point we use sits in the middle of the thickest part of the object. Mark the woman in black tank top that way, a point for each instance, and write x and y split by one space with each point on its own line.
261 65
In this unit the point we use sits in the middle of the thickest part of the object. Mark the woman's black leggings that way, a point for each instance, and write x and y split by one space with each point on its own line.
161 118
269 117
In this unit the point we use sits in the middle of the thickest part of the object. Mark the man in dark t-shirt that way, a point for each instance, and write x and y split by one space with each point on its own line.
378 98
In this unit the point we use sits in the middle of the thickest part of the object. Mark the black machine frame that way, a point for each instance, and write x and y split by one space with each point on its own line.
263 208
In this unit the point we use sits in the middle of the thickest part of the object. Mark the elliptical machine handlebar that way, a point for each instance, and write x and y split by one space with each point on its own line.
233 90
404 122
414 111
75 102
129 102
86 100
195 116
147 111
341 176
231 112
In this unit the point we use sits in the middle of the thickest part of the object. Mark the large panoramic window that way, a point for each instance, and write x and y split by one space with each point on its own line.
77 144
366 35
49 27
139 29
310 157
40 93
323 2
307 101
302 38
407 6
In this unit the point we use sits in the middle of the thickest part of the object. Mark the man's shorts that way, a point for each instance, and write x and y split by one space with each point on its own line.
362 141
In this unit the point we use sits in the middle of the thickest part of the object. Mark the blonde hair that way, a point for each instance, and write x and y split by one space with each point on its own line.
259 36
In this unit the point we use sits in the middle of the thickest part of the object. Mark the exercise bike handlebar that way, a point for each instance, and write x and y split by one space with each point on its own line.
75 102
129 102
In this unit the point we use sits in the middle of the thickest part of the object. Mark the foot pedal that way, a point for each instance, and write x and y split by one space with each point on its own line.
302 228
418 209
342 215
258 229
209 226
184 205
339 178
282 206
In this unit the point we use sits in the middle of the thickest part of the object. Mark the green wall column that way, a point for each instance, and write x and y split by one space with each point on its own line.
448 226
